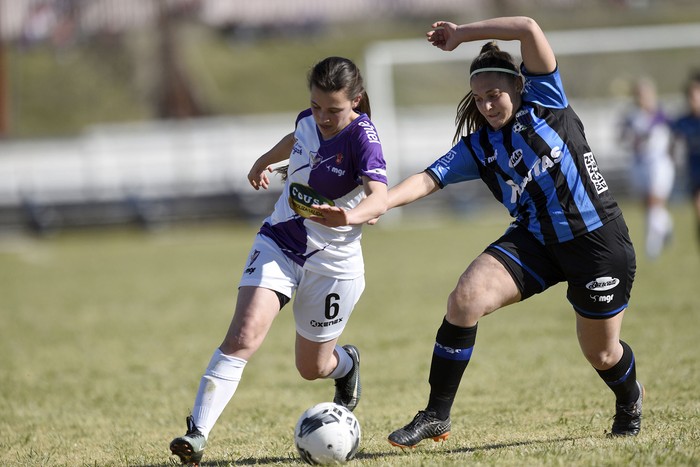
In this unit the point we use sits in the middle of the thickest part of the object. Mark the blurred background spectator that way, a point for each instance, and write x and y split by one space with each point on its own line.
647 135
687 132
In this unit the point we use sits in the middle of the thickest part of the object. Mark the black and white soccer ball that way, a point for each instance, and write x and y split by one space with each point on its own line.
327 433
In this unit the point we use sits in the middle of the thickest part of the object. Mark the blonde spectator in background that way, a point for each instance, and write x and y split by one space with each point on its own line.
646 131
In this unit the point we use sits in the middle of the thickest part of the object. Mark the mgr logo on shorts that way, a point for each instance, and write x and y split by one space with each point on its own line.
602 284
250 269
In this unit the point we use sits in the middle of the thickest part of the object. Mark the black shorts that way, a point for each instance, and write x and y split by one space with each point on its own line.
599 266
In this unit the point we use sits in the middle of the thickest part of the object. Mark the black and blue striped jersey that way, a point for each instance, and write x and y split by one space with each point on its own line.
539 165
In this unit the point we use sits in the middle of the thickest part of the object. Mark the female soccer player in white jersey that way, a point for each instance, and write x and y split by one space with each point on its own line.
528 146
308 248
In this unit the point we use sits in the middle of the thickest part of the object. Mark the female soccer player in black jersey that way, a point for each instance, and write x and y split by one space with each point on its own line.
518 134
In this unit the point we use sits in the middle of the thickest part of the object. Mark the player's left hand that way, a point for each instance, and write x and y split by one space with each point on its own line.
258 177
332 216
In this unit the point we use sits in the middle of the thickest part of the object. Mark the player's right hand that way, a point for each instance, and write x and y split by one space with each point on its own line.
442 35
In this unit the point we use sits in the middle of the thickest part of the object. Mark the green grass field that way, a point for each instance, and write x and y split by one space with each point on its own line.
105 335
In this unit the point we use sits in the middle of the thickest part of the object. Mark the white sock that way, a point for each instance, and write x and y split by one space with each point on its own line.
216 389
344 364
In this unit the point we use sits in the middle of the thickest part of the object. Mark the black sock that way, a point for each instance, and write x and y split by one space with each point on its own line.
451 355
622 377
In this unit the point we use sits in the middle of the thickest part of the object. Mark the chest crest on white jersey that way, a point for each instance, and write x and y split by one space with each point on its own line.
314 159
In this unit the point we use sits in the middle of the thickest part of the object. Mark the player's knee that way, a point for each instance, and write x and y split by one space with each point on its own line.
309 370
601 359
464 306
245 343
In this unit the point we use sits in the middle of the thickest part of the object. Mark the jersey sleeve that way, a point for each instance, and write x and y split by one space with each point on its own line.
371 155
302 115
458 165
545 90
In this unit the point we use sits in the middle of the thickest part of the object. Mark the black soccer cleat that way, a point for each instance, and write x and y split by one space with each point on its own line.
190 447
424 425
628 418
348 388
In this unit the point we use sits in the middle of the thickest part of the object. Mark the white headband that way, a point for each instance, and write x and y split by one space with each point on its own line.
501 70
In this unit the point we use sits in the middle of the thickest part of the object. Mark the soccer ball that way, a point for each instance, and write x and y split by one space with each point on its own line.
327 433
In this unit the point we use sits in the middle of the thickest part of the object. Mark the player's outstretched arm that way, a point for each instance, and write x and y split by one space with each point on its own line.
412 189
537 54
257 177
371 207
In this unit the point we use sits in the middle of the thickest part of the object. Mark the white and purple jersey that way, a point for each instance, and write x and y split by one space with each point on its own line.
329 172
649 134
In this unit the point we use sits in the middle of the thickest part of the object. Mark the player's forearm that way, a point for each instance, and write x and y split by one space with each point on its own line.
504 28
279 152
371 207
535 50
411 189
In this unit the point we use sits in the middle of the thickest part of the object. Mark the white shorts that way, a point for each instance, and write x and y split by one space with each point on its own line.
322 304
